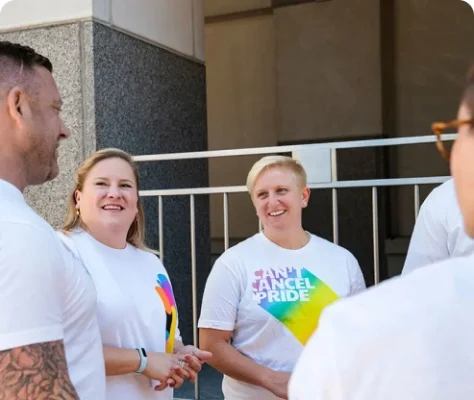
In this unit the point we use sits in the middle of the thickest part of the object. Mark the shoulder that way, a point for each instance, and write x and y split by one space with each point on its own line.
144 257
67 239
440 195
409 298
329 249
31 237
240 250
30 252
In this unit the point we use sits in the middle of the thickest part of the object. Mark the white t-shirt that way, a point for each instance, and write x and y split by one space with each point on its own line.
409 338
271 298
46 295
439 230
136 307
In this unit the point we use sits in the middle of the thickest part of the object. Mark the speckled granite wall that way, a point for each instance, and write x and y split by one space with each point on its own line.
122 92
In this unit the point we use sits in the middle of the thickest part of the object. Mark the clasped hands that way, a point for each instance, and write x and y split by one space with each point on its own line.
173 369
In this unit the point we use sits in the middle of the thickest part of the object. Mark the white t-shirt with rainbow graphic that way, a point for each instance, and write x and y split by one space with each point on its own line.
135 307
271 298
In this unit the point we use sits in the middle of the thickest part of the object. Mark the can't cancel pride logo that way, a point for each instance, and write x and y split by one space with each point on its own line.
281 285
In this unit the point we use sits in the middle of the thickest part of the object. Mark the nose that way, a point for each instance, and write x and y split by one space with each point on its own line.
273 199
114 192
64 132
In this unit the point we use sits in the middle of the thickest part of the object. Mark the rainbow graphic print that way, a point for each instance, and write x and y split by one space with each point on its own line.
165 291
293 296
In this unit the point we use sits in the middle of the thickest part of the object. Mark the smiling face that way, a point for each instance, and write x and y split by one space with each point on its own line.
108 201
279 199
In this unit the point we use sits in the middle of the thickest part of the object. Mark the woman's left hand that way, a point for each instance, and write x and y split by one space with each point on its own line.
193 360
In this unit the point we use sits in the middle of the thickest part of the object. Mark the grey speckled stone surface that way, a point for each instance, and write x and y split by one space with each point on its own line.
62 45
147 101
87 77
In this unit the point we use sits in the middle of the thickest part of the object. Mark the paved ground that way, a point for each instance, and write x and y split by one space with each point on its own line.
209 386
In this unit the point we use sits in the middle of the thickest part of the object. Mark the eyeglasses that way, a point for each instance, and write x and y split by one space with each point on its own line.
438 129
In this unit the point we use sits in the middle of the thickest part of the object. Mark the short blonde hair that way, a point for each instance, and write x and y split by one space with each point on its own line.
269 162
136 233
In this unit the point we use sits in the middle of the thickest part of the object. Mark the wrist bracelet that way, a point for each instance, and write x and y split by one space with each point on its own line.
143 360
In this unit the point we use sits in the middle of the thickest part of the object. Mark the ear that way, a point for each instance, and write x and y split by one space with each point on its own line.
18 105
305 197
77 197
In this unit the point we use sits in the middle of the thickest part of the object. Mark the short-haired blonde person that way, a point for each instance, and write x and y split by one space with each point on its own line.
136 309
263 297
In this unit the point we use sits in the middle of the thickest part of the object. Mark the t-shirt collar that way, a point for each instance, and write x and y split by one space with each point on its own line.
9 191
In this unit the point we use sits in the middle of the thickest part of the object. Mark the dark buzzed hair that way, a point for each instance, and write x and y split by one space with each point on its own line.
24 56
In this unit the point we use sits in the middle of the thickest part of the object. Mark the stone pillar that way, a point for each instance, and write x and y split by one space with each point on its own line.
132 76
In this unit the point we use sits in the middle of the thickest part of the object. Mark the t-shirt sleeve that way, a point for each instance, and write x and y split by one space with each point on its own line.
356 276
429 241
221 299
31 284
316 376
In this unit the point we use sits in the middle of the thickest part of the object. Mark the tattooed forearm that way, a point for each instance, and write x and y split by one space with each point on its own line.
35 372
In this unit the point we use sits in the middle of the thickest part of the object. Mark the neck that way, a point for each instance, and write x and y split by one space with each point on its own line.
109 237
12 171
292 239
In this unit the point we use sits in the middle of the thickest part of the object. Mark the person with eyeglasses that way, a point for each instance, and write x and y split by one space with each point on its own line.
410 337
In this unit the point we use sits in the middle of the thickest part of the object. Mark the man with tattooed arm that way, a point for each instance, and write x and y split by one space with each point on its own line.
49 339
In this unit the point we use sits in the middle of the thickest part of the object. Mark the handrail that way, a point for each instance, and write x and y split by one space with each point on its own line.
432 180
290 148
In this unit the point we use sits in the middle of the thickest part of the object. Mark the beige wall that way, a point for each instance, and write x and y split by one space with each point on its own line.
268 76
314 72
434 47
328 70
241 108
223 7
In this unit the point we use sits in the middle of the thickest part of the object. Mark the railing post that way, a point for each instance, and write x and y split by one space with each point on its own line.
375 232
416 196
160 228
194 281
226 221
335 212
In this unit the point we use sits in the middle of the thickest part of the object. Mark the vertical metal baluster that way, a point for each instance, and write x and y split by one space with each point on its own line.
417 200
226 221
335 212
160 228
375 226
194 281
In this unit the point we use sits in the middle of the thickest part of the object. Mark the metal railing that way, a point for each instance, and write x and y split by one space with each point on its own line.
334 185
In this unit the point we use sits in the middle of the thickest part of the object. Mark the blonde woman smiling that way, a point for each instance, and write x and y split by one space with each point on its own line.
263 297
136 308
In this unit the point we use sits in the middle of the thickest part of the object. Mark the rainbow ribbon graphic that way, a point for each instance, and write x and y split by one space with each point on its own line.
165 291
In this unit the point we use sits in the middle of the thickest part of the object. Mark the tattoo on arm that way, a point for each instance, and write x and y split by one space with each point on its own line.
38 371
